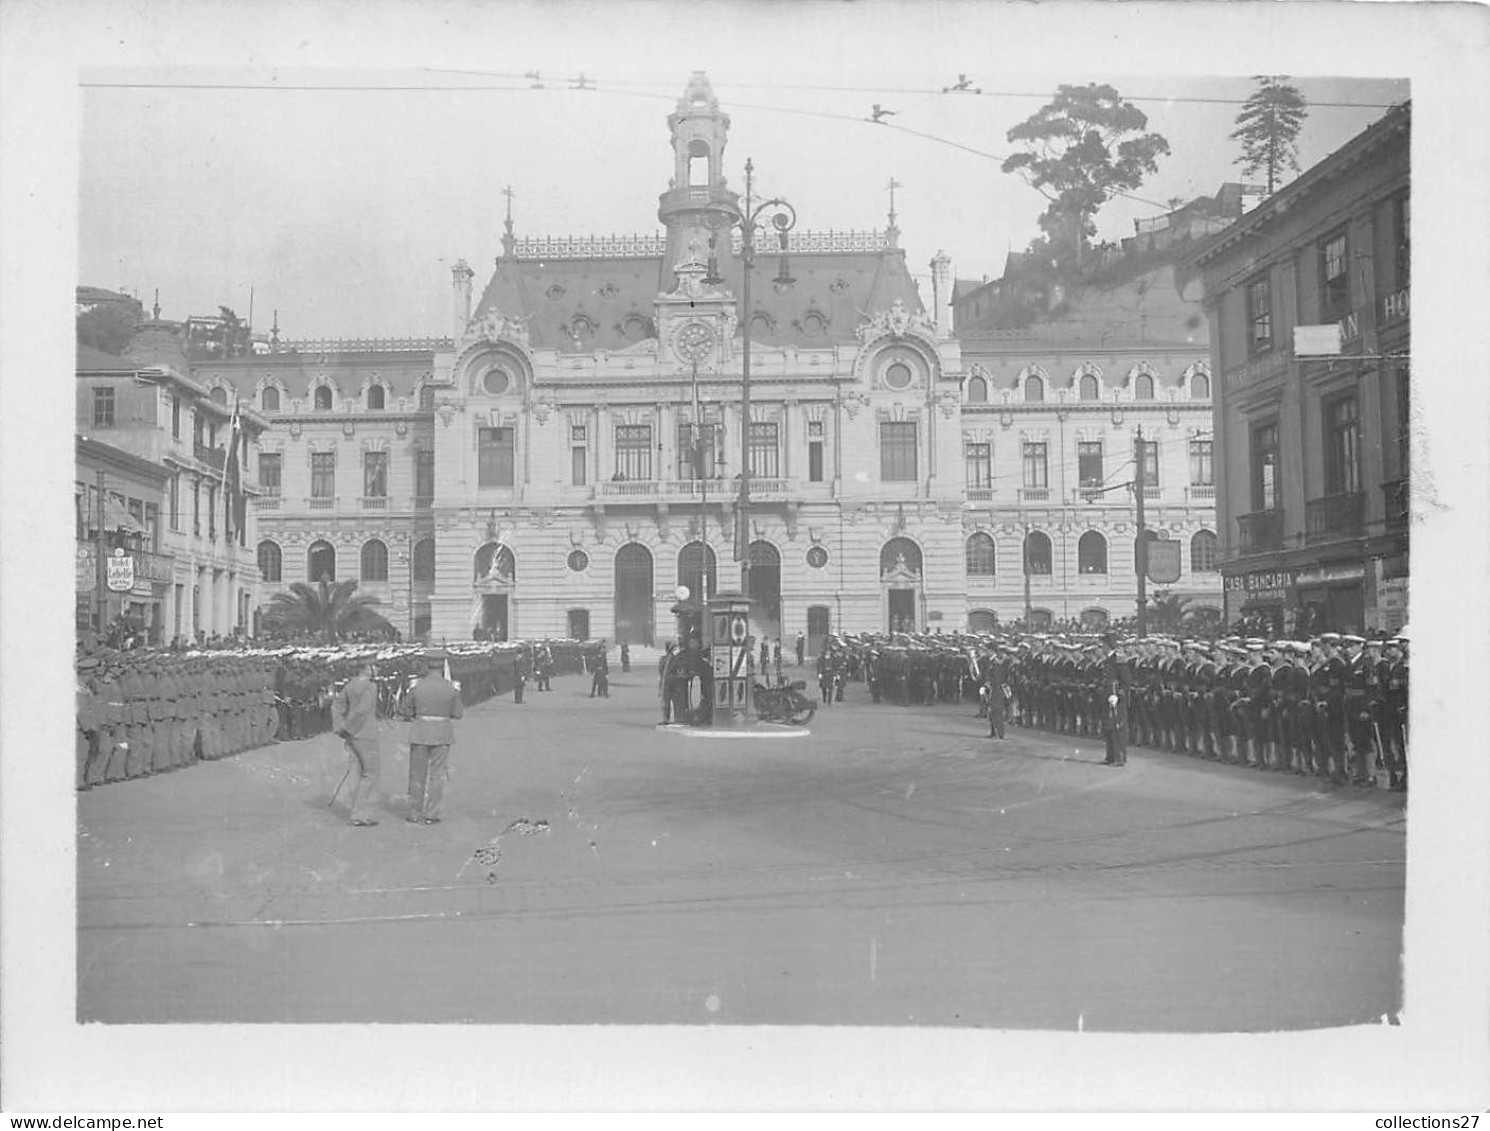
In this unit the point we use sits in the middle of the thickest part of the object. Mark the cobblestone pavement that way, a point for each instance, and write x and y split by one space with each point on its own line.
896 867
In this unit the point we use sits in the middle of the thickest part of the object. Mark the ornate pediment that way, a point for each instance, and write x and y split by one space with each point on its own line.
900 573
896 322
494 326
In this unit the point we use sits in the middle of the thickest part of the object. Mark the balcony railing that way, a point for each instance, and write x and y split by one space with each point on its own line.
1091 494
1034 494
645 490
150 566
1151 494
318 503
628 489
1398 499
980 494
696 488
1335 516
1260 530
266 503
374 502
1202 492
423 502
212 457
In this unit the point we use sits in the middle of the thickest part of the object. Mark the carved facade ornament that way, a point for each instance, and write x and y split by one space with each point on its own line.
401 427
446 412
950 403
543 409
900 573
897 322
494 326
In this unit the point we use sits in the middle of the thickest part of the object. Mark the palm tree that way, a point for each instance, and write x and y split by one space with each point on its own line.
1167 611
329 609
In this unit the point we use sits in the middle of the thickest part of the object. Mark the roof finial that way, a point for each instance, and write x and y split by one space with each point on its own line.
509 241
892 233
155 310
274 331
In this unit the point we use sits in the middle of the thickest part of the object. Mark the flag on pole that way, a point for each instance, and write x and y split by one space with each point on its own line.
232 479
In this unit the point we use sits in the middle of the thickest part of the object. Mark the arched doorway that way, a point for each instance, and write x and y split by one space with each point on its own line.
320 563
495 569
982 620
697 570
765 589
634 594
900 581
579 624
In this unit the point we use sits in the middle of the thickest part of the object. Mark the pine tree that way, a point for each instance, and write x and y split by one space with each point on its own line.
1079 152
1268 128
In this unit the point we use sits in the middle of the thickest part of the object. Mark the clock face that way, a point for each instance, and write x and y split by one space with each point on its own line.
694 341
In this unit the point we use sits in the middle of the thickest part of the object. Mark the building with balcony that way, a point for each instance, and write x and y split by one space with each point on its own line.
1312 454
148 406
118 499
1061 377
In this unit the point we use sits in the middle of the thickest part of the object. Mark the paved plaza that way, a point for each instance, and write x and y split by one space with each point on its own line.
895 867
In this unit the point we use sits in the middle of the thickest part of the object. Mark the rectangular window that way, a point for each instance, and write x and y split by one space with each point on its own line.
152 527
1260 315
198 429
196 508
695 450
764 451
175 417
103 408
424 473
1202 473
1150 463
212 512
1342 465
79 497
1334 277
270 470
137 510
579 455
176 502
633 452
375 475
323 475
1404 240
815 451
1265 467
1404 422
1036 470
978 465
898 451
1089 463
495 457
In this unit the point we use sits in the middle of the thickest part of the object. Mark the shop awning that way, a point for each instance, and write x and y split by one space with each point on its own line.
116 517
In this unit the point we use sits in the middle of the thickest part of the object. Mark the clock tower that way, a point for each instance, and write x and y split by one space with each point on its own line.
698 204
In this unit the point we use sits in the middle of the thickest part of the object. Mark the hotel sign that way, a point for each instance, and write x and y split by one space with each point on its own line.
1394 306
1262 369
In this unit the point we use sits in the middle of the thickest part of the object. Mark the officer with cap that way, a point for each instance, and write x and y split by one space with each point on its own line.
431 704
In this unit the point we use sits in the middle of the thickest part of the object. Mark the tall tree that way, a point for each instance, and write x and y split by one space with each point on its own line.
109 324
1081 149
1268 129
326 609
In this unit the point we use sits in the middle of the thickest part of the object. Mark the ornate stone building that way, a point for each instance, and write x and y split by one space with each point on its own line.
569 457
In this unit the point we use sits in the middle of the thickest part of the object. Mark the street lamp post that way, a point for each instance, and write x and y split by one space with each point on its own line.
783 218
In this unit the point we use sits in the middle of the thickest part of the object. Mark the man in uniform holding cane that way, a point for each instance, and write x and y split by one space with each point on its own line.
431 703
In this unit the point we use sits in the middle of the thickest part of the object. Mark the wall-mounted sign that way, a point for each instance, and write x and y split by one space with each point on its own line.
87 570
121 574
1164 561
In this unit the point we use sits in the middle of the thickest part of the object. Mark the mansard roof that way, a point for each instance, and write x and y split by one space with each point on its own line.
607 302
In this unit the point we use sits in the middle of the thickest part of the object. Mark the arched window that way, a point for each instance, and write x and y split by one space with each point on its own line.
320 562
1143 387
323 397
269 399
1200 387
427 398
1034 389
977 391
980 556
424 559
374 561
900 553
1203 552
1091 553
271 561
495 562
1094 618
1037 553
375 397
1088 387
698 163
219 395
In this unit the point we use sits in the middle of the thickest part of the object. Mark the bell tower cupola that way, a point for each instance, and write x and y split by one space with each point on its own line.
698 204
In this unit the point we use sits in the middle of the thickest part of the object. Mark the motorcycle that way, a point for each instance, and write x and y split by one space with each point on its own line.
784 704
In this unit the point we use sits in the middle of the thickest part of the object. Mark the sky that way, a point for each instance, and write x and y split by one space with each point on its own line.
343 207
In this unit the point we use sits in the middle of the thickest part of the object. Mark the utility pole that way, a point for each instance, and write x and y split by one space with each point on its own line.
101 566
1142 545
747 268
